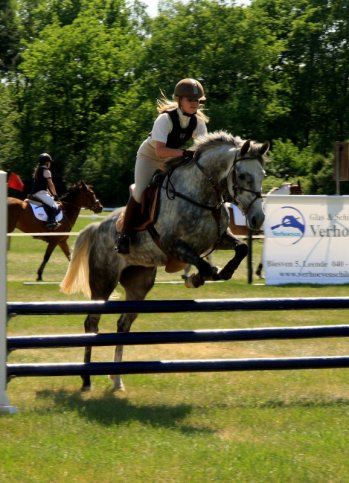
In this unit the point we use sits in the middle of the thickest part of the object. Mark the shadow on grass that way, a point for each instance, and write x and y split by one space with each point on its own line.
311 402
109 410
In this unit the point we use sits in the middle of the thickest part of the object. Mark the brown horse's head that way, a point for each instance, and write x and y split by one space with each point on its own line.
83 196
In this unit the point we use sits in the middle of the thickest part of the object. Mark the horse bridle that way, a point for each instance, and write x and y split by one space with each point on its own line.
172 193
93 207
236 187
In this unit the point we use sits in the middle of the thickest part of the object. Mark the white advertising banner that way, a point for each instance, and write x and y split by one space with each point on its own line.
306 239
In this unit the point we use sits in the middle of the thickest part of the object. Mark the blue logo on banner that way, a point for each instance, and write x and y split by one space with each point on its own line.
288 224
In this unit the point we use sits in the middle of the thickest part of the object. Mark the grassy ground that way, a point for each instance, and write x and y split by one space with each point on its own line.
264 426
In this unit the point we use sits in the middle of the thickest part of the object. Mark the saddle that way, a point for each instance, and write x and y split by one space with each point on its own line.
149 212
39 209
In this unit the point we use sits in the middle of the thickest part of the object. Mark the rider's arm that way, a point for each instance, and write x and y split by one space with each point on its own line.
164 152
51 187
161 128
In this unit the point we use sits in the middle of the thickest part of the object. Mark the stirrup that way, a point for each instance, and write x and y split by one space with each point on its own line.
53 225
123 244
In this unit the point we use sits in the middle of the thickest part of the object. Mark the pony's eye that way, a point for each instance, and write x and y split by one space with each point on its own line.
242 177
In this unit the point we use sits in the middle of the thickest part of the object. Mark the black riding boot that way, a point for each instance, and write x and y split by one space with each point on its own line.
131 214
51 223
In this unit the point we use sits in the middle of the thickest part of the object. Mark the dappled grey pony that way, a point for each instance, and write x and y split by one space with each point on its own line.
192 221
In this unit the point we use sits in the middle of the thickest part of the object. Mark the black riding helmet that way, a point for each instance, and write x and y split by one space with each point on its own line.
43 158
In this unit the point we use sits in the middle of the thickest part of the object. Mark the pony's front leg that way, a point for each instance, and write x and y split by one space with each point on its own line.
229 241
124 325
183 252
116 379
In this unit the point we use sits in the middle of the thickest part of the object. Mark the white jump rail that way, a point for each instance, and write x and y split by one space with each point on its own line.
5 406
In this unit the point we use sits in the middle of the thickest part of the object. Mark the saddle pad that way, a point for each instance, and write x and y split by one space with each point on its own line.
40 213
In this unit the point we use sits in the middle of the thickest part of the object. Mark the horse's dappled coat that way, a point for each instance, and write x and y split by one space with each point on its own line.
193 220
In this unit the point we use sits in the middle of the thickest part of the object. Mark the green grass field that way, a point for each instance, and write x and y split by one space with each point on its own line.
264 426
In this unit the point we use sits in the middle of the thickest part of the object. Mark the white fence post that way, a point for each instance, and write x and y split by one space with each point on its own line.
4 403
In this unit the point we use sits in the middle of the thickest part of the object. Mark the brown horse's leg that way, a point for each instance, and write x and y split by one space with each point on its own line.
50 247
260 270
49 250
63 245
137 282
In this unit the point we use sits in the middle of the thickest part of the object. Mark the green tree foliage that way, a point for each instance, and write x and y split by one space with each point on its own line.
78 93
10 152
9 36
89 72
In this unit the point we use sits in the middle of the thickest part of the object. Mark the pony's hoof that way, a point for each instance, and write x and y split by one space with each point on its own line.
119 388
118 385
85 388
194 281
223 275
215 273
188 283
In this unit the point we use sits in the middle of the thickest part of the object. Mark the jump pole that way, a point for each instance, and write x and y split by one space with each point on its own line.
4 403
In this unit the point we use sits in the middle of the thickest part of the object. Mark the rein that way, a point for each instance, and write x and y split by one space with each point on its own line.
172 193
215 210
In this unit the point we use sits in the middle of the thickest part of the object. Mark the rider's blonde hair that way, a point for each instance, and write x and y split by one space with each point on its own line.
164 104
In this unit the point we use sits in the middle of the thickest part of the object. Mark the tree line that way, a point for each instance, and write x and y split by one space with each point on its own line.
80 79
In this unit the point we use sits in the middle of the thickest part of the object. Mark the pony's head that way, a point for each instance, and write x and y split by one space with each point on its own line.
245 187
236 168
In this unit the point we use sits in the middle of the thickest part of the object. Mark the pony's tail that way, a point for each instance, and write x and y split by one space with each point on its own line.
76 278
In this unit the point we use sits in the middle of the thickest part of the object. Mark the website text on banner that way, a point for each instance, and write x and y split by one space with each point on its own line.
306 240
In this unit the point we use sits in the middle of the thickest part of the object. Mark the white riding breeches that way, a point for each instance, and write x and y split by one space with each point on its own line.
46 199
146 164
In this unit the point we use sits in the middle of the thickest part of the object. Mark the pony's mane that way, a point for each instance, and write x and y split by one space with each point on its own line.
72 189
213 140
204 143
219 138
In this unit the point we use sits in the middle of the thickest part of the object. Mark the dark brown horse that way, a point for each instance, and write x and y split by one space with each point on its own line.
20 215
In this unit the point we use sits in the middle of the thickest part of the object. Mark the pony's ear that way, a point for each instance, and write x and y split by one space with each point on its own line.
245 147
264 148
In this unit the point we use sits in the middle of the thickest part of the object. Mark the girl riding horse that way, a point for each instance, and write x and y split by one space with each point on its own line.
44 190
179 121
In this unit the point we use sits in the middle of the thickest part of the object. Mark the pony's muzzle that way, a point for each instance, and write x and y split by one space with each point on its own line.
255 220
